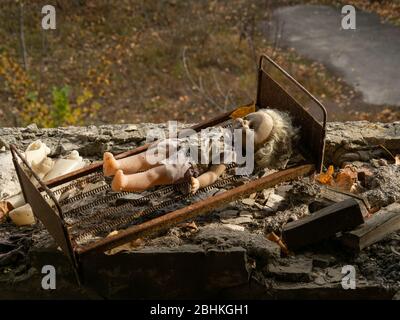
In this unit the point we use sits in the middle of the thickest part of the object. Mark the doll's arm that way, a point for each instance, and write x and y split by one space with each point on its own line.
207 178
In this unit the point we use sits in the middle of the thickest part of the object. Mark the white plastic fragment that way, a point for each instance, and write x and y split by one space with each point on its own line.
65 165
36 152
43 167
22 216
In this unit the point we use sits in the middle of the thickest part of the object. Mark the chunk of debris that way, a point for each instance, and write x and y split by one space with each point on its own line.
276 223
382 223
323 224
319 204
189 226
397 160
274 201
248 201
237 220
304 191
213 235
384 186
298 270
335 274
331 195
323 260
263 213
125 247
227 214
264 194
22 216
253 195
9 184
234 227
320 281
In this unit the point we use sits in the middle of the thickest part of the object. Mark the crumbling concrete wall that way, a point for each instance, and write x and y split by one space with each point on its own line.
219 261
92 141
354 135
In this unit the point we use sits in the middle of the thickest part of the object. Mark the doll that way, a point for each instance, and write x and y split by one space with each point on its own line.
271 134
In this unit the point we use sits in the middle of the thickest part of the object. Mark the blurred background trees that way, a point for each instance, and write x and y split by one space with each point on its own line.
137 60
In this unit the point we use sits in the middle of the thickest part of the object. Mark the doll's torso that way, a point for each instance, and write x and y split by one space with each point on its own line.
195 153
210 146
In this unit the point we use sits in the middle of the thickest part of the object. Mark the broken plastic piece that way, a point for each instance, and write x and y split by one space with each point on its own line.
66 165
44 167
22 216
36 152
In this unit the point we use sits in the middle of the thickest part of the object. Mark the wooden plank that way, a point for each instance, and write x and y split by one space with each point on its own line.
334 195
382 223
323 224
319 204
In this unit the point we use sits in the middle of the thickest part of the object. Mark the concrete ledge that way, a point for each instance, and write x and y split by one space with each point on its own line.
217 264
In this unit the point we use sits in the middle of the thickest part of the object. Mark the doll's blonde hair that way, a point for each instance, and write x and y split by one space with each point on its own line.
277 150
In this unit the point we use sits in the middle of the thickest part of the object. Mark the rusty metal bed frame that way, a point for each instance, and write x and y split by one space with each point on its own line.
270 93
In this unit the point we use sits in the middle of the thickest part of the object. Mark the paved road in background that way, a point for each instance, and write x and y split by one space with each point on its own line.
368 58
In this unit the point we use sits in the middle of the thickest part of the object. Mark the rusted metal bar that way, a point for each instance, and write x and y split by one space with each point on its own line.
201 207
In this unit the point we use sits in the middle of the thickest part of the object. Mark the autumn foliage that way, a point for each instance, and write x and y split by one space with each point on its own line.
148 61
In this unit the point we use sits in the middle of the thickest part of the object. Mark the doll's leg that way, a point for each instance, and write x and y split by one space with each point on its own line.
160 175
128 165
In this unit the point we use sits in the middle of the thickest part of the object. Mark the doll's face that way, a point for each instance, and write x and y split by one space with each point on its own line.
260 122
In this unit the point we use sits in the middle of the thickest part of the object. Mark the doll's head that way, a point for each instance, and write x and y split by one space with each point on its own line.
273 136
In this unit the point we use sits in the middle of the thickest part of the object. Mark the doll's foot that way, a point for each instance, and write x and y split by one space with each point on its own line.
194 185
119 181
110 165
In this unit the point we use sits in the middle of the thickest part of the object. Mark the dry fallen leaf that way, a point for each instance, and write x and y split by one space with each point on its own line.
327 177
346 178
5 207
343 180
350 171
190 226
125 247
242 111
